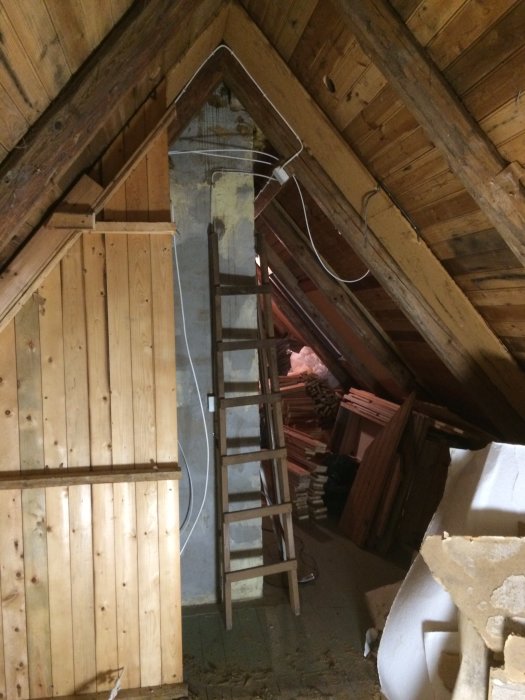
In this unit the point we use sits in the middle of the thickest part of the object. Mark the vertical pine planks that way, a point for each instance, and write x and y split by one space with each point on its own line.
78 442
166 418
163 314
57 499
118 313
141 333
15 681
27 335
100 449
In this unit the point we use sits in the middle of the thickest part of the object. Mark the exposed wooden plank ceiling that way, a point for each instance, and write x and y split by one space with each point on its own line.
444 236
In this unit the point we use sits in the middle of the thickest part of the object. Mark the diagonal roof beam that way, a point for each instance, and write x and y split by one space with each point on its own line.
296 311
358 369
370 340
130 53
402 263
491 181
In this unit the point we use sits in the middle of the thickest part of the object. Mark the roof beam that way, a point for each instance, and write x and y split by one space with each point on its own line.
400 261
359 372
371 343
131 52
491 181
303 330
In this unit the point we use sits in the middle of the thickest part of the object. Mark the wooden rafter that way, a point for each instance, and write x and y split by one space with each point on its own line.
329 169
494 184
370 340
303 330
360 373
75 214
133 50
402 263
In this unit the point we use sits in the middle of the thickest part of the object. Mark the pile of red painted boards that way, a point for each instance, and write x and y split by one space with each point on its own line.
298 407
404 456
306 473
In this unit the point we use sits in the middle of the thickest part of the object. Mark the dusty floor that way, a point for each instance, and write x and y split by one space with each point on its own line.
270 653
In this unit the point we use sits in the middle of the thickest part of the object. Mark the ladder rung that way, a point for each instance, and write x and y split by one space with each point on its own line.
257 456
263 570
252 344
236 290
260 512
252 400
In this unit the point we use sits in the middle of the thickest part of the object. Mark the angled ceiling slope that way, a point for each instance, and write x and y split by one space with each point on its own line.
146 49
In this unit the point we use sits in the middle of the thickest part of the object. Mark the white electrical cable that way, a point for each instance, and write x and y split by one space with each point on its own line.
189 510
227 48
318 256
218 155
226 150
240 172
287 162
201 405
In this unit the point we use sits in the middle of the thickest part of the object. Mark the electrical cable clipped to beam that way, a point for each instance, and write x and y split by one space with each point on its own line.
368 196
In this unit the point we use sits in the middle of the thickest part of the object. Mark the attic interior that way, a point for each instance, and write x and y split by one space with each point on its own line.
398 124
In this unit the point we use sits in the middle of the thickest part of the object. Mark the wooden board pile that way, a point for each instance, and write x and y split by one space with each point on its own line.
404 456
299 480
298 407
307 401
306 473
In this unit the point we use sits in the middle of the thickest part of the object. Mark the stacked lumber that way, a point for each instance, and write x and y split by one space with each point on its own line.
307 452
375 474
369 406
299 480
297 406
307 400
403 455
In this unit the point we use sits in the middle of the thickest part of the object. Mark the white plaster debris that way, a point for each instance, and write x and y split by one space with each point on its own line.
484 495
510 595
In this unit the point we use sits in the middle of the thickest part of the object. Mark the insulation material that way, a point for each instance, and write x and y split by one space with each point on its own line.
484 495
307 361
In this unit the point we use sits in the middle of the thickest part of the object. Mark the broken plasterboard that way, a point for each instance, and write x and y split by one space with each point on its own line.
485 577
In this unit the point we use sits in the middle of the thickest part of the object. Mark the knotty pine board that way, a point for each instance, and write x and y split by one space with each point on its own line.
464 28
15 643
27 340
78 429
100 446
57 499
122 425
144 429
163 327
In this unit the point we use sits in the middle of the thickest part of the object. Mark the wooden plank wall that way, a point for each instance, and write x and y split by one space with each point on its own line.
89 575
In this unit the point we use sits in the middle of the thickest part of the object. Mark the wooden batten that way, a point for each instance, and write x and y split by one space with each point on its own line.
45 249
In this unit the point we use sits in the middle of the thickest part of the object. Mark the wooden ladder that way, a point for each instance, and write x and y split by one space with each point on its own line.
274 452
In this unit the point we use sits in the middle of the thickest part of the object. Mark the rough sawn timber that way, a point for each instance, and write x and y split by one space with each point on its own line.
493 183
403 264
126 56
